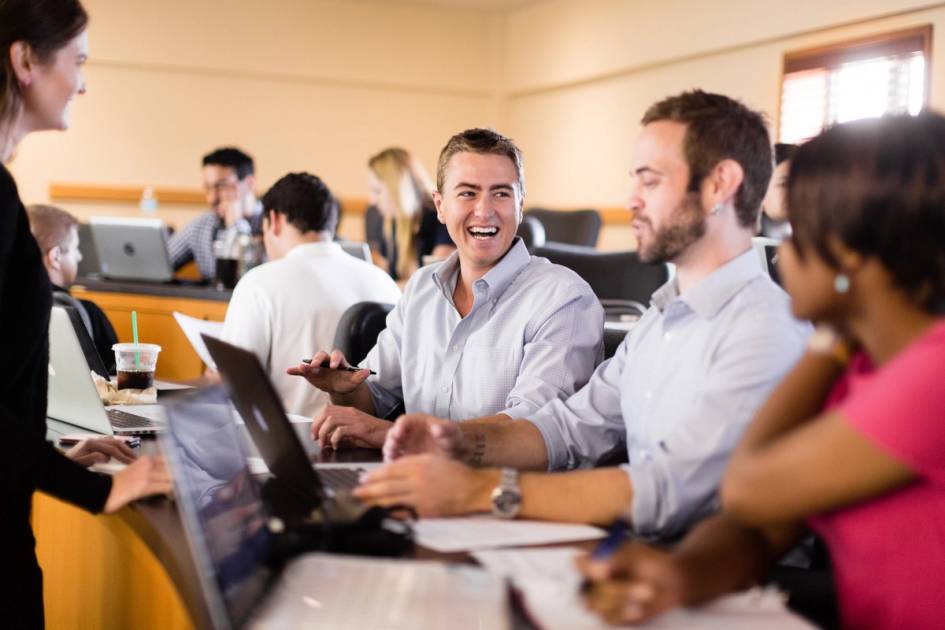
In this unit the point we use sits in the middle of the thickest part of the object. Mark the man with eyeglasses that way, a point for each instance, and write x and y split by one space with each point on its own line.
229 182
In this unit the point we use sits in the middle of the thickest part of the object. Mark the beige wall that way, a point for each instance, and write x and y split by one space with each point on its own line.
581 74
300 84
320 84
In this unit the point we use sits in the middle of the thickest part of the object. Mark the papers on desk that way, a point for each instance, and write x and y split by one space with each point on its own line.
550 585
448 535
193 328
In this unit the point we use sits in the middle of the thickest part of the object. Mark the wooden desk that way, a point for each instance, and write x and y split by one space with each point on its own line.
155 304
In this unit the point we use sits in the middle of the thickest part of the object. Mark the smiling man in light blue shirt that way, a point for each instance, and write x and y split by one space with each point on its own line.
491 331
682 386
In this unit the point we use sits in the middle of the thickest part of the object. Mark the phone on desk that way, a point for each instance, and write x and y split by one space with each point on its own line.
74 438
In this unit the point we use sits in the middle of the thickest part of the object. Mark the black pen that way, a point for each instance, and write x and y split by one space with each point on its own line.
346 368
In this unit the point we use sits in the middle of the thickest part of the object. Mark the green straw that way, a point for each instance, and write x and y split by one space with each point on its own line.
134 334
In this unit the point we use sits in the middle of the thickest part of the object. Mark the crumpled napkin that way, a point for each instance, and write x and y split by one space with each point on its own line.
111 395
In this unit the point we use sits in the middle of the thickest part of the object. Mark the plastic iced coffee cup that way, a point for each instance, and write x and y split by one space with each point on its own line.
135 364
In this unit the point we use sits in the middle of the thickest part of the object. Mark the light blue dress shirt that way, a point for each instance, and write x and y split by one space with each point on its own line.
534 334
679 392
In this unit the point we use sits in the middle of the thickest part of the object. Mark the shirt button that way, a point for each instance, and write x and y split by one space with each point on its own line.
455 347
648 395
445 389
667 336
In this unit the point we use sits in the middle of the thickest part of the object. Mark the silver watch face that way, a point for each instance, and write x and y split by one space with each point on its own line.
506 502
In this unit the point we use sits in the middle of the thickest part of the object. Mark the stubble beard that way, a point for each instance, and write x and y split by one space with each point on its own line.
686 225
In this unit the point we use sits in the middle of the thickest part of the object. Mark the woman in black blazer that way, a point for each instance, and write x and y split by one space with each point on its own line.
42 49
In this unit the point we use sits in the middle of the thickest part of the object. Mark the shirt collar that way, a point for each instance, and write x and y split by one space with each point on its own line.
708 296
496 279
317 248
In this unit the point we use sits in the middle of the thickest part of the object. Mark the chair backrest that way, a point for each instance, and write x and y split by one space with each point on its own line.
612 340
358 329
356 249
532 232
612 275
574 227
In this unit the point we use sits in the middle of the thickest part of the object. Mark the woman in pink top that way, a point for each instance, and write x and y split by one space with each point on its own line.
855 449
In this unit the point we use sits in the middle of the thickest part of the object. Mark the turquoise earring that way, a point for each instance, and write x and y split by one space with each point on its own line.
841 284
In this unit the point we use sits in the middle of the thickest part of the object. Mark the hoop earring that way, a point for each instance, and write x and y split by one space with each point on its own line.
841 284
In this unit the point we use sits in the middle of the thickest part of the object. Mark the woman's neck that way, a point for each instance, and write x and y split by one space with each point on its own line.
888 325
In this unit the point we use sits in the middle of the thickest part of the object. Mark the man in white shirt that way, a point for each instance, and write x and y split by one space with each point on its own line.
281 309
491 330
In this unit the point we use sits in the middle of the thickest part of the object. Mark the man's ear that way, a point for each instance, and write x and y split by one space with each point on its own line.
722 184
276 222
22 62
438 202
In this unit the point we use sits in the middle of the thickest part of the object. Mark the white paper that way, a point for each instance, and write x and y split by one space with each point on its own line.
550 584
486 532
193 328
166 386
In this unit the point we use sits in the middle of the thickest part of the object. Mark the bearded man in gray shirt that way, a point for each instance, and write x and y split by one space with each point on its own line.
681 388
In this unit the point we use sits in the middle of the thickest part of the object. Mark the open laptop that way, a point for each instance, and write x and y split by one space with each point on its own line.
72 395
233 540
261 409
132 249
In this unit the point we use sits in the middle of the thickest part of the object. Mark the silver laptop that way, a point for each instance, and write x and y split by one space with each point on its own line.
132 249
72 395
230 532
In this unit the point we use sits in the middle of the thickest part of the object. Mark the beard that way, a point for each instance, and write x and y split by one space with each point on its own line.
685 226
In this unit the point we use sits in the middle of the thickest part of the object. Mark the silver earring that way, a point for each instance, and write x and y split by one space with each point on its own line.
841 284
717 209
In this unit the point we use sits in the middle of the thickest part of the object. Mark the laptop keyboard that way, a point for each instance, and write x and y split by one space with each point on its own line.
340 479
123 420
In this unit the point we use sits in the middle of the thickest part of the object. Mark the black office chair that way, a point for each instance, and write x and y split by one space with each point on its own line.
532 232
619 279
358 329
574 227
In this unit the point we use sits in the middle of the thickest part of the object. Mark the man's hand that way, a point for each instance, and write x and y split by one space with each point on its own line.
635 584
433 486
147 475
337 426
99 451
417 433
333 381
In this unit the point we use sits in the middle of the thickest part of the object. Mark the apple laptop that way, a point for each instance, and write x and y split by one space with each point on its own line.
72 396
132 249
261 409
233 539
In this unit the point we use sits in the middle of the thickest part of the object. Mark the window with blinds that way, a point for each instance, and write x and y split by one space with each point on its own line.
860 79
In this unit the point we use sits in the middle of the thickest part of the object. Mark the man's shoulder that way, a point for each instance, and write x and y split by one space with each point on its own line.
542 275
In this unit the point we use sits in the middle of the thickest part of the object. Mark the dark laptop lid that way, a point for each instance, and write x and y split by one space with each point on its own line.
220 502
259 405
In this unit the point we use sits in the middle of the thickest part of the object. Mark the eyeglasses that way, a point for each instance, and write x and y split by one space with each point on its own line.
222 185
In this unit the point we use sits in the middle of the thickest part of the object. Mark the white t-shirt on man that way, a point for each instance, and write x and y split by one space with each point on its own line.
287 309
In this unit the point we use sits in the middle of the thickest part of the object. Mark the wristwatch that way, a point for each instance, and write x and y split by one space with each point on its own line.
507 497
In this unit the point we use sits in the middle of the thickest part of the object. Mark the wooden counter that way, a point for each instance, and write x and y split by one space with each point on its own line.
155 304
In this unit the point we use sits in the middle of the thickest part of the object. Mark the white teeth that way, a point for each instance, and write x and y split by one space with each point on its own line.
484 231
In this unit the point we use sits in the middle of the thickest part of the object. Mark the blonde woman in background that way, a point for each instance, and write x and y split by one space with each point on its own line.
404 228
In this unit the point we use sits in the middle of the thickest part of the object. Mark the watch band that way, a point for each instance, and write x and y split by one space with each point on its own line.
507 497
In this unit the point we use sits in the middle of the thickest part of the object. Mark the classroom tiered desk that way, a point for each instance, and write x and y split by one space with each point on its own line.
155 304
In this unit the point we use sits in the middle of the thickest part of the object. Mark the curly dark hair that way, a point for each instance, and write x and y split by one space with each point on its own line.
305 201
879 187
720 128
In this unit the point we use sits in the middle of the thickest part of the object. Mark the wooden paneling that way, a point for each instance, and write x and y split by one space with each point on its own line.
156 324
97 573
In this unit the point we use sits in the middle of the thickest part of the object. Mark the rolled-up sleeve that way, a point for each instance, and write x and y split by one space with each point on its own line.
386 386
675 480
560 354
587 427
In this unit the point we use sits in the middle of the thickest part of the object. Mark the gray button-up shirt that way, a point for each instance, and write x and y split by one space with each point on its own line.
534 334
679 392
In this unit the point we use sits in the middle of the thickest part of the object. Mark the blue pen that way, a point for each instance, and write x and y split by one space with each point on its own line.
616 535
